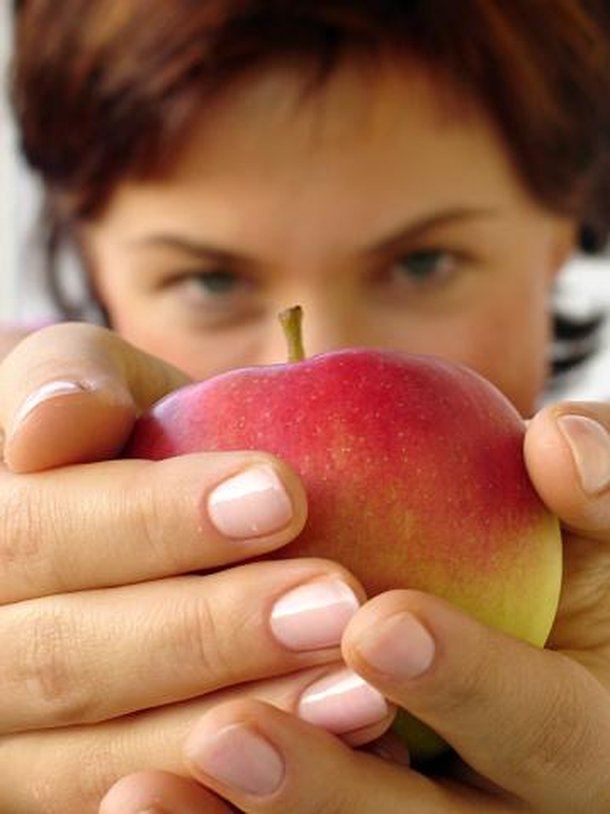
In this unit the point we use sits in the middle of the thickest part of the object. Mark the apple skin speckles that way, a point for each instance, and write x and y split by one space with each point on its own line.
413 467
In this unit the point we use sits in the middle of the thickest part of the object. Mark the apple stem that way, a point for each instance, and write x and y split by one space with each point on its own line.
291 320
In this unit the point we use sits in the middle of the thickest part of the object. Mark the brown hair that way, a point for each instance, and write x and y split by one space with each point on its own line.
106 88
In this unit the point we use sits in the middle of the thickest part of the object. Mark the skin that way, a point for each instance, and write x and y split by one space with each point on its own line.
307 201
304 194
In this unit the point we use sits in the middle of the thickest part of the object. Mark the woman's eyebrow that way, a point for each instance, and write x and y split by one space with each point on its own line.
393 241
192 246
415 230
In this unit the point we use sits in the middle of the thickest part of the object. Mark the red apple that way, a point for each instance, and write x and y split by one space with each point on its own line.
413 467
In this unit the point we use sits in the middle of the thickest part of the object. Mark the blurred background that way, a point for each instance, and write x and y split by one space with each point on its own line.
583 290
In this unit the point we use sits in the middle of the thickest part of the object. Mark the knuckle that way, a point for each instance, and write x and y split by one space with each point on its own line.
337 798
148 506
200 637
327 799
158 516
336 804
474 675
59 774
23 775
20 540
33 524
101 761
45 668
563 733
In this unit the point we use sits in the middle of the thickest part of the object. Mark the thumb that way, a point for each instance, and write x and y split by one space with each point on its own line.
516 714
567 452
70 393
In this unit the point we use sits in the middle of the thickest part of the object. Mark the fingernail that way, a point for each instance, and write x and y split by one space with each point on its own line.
313 615
238 757
48 391
342 702
589 443
251 504
400 647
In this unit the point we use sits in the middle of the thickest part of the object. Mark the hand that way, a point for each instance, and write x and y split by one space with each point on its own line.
109 654
532 727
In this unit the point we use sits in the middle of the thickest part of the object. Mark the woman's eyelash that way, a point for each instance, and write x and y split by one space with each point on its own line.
425 265
209 282
217 282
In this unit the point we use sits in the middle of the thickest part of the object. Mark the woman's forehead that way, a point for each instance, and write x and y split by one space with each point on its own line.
265 129
334 173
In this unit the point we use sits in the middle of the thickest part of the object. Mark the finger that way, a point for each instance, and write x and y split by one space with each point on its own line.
265 760
567 451
75 659
68 771
155 791
119 522
70 393
532 721
146 791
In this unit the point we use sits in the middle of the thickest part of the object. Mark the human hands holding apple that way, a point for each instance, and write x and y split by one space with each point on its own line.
117 627
98 602
413 469
532 724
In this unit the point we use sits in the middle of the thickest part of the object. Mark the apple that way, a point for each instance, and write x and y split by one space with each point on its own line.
414 472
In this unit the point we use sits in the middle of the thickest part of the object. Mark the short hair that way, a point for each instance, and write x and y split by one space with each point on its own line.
106 89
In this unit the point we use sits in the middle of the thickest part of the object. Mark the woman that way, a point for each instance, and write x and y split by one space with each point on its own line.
415 175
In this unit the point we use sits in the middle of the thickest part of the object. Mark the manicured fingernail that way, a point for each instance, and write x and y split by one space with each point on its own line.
313 615
48 391
251 504
342 702
400 647
238 757
589 443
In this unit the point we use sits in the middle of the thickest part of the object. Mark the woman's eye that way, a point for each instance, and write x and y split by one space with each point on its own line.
216 283
425 267
213 289
216 292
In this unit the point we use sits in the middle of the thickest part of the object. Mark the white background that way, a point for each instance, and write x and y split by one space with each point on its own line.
586 284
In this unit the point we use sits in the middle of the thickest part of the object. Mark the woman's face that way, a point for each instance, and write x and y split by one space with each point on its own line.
394 217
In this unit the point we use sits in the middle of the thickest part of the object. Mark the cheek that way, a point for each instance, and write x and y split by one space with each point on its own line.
512 351
198 355
142 327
